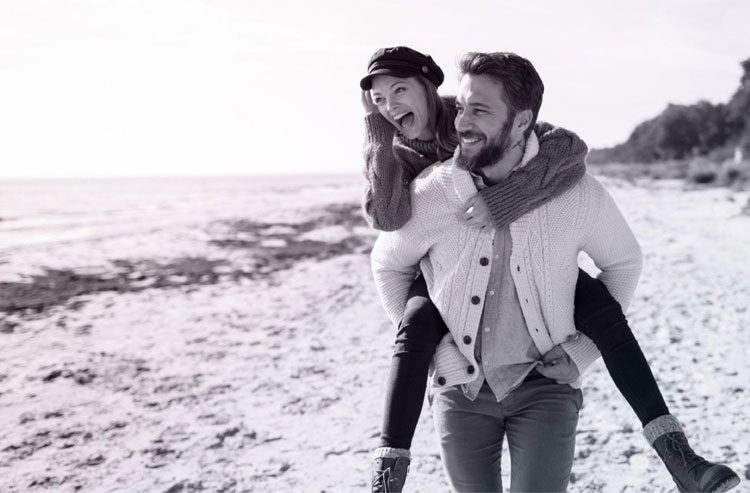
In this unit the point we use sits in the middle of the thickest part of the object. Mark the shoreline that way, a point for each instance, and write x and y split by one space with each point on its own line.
265 247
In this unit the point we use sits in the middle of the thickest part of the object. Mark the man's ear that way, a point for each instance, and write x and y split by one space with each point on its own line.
523 120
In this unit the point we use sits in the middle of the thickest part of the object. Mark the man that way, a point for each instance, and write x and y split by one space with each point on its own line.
512 362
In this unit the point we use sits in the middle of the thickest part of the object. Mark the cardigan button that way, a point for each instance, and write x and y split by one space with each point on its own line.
441 381
484 261
467 340
518 268
475 300
470 369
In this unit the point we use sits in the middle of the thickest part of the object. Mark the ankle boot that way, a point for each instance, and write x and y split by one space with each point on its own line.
391 468
690 471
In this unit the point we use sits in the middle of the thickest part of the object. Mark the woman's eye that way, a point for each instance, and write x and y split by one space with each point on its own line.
377 100
400 89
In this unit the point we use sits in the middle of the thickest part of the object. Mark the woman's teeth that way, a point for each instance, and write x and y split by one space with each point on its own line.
401 117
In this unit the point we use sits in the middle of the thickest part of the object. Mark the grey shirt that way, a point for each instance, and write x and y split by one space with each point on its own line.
504 349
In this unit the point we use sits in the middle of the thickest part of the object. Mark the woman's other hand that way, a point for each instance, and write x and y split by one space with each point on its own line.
368 103
475 213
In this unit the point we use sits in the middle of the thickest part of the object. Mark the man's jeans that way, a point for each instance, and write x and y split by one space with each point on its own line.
540 419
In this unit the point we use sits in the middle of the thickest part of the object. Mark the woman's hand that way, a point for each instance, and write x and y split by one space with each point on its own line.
475 213
368 103
558 366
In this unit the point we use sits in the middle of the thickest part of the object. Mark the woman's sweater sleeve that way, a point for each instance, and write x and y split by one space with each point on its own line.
387 199
558 166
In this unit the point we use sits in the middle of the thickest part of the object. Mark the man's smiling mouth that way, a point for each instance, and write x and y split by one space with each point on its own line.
470 139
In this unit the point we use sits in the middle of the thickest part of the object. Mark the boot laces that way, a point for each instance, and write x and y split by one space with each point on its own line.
380 483
690 459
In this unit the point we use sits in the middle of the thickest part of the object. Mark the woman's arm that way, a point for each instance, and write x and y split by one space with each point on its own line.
558 166
387 200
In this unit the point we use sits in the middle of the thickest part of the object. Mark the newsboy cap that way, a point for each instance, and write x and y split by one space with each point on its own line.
400 61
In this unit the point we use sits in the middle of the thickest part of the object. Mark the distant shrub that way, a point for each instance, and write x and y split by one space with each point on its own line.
735 175
702 171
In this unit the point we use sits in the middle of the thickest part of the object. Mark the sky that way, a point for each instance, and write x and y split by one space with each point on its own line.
228 87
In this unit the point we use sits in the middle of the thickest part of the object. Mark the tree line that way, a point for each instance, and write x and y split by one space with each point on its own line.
685 131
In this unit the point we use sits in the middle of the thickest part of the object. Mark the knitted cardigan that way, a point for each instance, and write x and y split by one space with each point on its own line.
456 261
392 162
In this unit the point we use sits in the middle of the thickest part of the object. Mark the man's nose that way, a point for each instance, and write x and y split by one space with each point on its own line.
463 122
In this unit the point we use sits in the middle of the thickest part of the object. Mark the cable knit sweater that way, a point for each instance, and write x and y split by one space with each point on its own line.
456 261
392 162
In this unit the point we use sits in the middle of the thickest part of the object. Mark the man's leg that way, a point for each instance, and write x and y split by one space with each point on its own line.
541 421
471 438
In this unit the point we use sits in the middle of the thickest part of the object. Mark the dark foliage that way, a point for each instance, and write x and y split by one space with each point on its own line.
685 131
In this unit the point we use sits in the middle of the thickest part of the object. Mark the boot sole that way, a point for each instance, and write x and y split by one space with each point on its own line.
720 479
726 484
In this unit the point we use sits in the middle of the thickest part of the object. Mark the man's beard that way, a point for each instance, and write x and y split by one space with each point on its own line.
492 152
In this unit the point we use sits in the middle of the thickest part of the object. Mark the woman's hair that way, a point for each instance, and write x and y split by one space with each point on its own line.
442 113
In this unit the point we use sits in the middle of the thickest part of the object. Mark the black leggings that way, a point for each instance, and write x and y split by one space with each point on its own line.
597 314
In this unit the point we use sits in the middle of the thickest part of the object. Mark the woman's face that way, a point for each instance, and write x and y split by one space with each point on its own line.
403 102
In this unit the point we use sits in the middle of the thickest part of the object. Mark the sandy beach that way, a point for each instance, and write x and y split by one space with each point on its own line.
235 347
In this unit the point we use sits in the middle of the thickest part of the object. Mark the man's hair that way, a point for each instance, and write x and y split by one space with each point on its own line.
522 86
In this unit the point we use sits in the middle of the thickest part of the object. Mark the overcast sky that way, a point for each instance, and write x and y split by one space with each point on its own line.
196 87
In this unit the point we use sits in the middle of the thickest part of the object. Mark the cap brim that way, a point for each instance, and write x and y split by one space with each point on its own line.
366 82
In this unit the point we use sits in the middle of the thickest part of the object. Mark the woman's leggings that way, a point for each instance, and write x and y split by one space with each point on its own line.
597 314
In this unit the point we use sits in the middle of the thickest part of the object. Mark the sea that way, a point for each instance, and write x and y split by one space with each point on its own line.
72 222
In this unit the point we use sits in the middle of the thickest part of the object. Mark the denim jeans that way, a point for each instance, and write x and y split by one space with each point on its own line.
539 419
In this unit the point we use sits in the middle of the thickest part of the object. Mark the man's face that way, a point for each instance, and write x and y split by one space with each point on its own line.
483 122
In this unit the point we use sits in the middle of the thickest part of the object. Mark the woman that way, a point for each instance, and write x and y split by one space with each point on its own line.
409 127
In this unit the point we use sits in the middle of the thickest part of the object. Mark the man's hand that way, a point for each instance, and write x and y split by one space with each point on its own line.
368 103
475 213
558 366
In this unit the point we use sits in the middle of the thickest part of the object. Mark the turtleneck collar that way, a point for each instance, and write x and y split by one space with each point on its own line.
427 147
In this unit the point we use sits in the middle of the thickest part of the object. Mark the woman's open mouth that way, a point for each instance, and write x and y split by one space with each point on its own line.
405 119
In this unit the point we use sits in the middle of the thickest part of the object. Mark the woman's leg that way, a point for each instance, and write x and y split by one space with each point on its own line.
598 315
419 333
